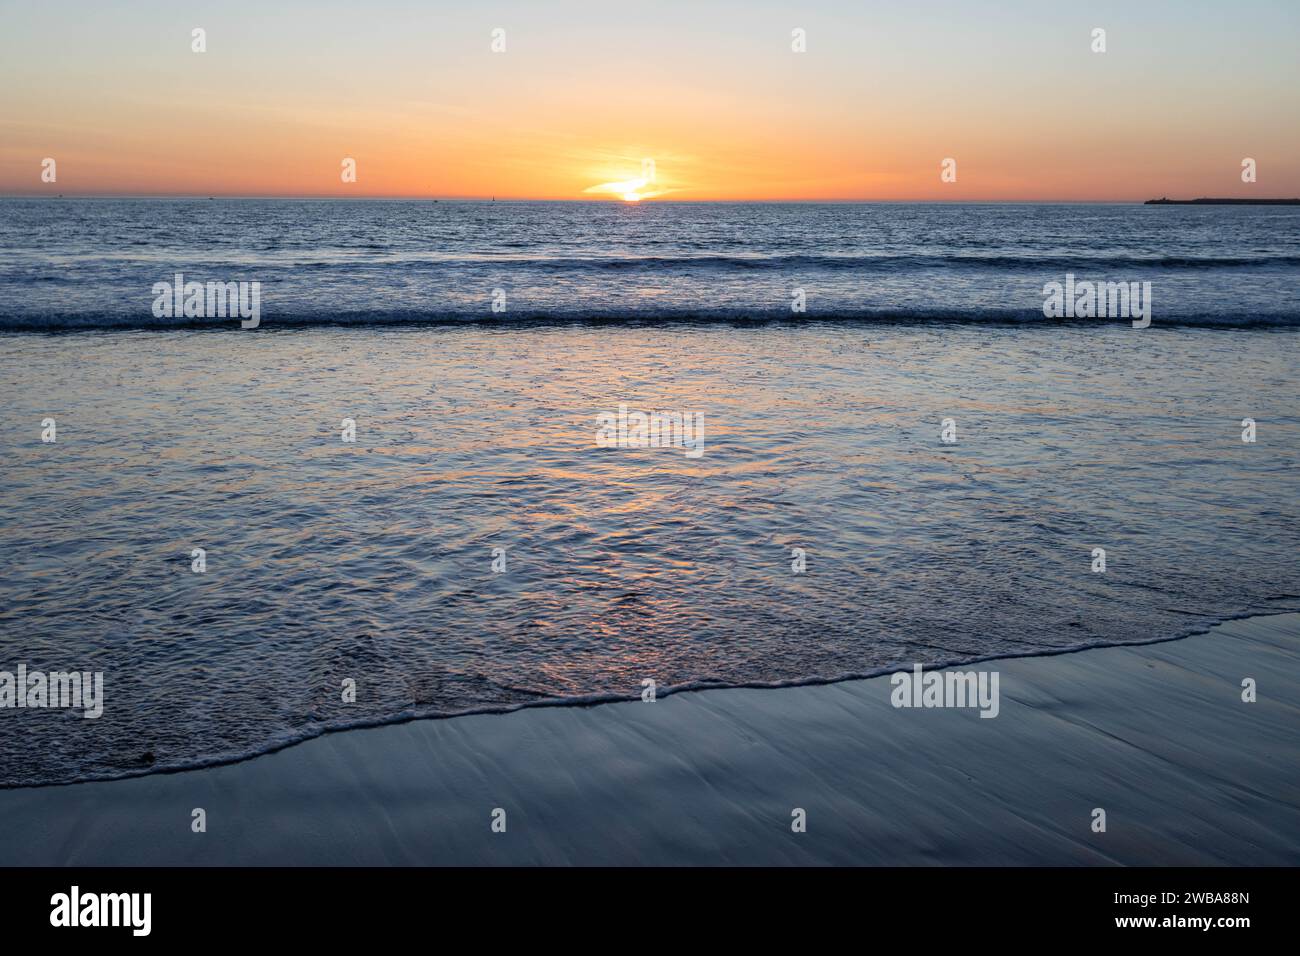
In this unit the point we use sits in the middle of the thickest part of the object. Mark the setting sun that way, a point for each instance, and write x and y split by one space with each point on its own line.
436 108
629 190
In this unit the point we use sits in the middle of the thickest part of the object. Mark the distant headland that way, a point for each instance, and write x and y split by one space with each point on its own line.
1222 202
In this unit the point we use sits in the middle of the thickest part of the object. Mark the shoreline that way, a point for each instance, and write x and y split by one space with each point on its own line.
598 700
1154 733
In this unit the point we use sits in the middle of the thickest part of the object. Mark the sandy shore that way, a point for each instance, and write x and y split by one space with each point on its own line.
1156 735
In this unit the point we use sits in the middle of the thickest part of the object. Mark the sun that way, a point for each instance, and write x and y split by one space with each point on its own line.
645 186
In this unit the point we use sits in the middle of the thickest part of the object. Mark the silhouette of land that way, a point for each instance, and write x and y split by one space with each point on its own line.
1222 202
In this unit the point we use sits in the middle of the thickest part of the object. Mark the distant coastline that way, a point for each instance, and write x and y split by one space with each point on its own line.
1222 202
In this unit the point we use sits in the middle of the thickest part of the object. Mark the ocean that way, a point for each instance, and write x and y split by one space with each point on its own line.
92 263
917 468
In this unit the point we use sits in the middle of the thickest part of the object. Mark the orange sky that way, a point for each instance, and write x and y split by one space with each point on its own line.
713 93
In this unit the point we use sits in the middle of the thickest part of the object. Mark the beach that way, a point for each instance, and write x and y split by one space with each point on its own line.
1157 735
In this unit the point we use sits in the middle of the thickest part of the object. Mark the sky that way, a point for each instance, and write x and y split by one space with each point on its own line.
712 92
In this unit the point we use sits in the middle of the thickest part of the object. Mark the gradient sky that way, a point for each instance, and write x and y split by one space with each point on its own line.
710 90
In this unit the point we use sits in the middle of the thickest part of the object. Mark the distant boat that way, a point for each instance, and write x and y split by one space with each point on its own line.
1221 202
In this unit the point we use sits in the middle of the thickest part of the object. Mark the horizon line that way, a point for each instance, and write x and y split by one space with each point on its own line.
594 201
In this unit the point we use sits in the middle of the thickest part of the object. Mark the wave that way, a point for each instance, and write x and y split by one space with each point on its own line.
766 313
889 263
392 259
